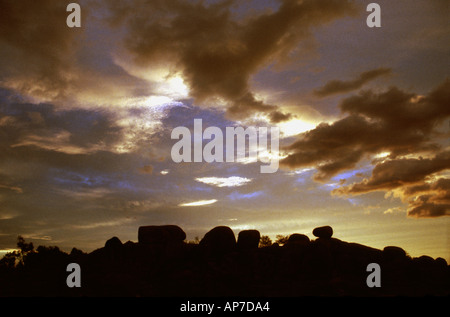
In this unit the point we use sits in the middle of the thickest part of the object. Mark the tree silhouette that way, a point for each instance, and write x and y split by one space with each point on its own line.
23 246
10 259
15 258
265 241
281 239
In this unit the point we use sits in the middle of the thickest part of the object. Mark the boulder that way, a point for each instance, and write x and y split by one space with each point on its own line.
220 239
298 238
114 249
441 262
113 243
161 234
392 252
324 232
248 239
424 261
128 243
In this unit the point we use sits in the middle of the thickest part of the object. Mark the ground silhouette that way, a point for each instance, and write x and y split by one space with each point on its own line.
163 264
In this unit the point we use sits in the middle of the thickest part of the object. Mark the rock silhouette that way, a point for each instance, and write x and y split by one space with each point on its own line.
161 234
162 264
248 239
113 243
220 239
298 238
323 232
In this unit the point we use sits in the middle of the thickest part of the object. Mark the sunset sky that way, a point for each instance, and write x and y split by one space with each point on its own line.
86 116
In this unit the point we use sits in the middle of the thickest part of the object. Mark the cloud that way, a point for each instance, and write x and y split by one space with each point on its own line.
45 60
413 180
96 225
42 126
215 53
397 173
232 181
237 195
392 121
339 86
15 189
403 134
433 201
198 203
37 48
393 210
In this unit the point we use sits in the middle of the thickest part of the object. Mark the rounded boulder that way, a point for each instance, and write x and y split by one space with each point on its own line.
298 238
220 239
325 232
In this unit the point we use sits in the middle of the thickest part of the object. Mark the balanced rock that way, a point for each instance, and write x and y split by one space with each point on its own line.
161 234
324 232
220 239
248 239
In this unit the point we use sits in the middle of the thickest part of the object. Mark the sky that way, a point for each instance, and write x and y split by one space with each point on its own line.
86 117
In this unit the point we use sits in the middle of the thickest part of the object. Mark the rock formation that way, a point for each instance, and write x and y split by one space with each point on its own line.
162 264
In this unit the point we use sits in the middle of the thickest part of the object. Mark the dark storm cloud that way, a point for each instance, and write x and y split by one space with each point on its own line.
340 86
216 54
36 46
393 121
41 57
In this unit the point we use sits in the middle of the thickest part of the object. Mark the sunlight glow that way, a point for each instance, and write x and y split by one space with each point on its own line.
177 87
382 154
153 101
267 156
294 127
5 251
